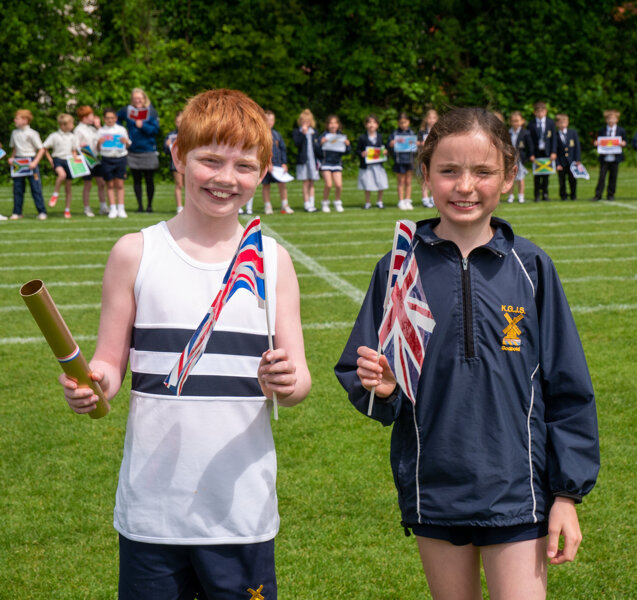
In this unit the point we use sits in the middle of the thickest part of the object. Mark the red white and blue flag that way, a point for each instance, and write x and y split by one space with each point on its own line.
406 327
245 271
403 237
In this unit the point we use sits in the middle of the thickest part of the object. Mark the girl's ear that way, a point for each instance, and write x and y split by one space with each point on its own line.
509 180
181 167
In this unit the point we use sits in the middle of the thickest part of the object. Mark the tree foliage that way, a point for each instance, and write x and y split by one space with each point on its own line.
348 57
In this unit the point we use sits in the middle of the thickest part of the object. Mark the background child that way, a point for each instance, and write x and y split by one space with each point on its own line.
373 177
609 163
502 439
279 159
86 135
62 144
403 163
521 140
178 177
26 143
431 118
568 151
112 144
196 505
306 140
332 165
542 130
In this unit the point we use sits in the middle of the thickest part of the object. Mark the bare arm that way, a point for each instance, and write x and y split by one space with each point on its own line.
288 376
109 362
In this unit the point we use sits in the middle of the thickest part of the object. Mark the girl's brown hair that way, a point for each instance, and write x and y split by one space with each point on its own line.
459 121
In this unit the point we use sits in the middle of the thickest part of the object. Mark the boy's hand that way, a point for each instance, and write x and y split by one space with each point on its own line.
563 522
276 373
559 168
33 165
82 399
10 160
375 372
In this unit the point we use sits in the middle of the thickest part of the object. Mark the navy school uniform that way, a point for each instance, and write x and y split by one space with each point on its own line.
609 163
403 161
330 160
364 142
279 156
568 152
544 144
524 144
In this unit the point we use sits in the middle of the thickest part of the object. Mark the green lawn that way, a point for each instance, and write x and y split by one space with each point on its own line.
340 535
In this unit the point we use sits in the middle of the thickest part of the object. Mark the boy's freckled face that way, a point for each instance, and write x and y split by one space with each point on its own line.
20 121
220 179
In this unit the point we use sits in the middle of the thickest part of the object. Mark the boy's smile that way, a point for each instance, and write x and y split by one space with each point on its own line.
220 179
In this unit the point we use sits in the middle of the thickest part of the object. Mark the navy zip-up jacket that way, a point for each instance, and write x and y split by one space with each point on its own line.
505 415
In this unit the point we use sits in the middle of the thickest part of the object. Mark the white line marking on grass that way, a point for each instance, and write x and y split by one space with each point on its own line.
592 278
328 325
84 251
318 270
40 340
52 284
317 295
344 273
604 307
594 259
61 307
66 229
52 267
621 204
588 246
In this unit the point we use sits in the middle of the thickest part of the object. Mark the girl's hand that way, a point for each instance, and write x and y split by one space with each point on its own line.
375 372
563 522
363 154
139 123
346 142
276 373
391 144
304 128
11 160
81 398
323 140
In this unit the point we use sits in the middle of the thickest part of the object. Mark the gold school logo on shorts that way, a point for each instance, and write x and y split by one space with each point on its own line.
511 340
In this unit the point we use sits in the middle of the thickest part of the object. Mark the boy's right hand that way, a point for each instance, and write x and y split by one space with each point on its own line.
81 398
11 160
374 371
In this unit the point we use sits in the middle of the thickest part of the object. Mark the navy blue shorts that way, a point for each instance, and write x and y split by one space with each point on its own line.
482 536
402 167
96 171
113 168
167 572
61 162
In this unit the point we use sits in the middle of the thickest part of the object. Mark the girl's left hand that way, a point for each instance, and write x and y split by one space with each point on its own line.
276 373
563 522
139 123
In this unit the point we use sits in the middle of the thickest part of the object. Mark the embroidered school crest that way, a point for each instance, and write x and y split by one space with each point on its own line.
511 341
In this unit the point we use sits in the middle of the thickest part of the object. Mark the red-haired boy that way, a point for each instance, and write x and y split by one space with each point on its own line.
196 505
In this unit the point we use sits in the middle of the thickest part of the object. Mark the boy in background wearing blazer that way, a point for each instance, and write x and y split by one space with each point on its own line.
568 152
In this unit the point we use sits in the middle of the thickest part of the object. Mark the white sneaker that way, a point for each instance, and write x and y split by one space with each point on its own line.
103 209
380 204
521 199
241 211
325 206
42 217
3 218
510 199
88 212
121 213
267 208
286 209
112 213
409 205
367 206
248 211
430 202
404 205
179 209
338 206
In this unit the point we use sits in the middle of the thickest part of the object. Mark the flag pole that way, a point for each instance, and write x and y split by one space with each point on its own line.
370 406
275 404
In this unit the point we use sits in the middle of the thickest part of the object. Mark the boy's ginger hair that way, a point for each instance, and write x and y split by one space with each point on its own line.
83 111
25 113
226 117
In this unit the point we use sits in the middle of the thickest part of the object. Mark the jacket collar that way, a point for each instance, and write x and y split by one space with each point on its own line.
501 243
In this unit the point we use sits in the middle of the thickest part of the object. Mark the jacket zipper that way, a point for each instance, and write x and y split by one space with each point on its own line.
467 310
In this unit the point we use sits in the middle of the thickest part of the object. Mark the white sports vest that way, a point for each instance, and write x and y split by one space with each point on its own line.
199 468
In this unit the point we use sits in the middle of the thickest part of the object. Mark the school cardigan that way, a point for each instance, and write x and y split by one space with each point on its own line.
504 418
364 142
199 468
142 138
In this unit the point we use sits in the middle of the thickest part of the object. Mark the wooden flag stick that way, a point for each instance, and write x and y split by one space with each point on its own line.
275 404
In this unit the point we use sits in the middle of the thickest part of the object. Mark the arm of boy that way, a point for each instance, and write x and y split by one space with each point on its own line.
563 522
38 158
109 362
284 370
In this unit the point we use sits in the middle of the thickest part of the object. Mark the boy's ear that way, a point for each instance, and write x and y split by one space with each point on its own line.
181 167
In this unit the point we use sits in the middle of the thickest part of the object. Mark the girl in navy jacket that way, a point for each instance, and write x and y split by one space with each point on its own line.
502 440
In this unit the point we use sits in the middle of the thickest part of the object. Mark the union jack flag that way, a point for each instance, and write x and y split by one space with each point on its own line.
245 271
406 327
403 237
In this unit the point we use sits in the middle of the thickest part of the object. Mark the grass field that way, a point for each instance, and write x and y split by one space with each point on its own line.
340 535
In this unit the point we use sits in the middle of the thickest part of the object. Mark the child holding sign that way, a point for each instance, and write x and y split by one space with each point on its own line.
112 145
372 176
